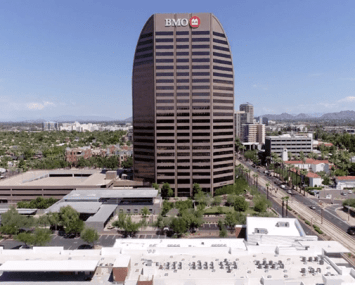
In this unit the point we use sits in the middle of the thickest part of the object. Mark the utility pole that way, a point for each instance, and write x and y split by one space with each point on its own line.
283 202
286 207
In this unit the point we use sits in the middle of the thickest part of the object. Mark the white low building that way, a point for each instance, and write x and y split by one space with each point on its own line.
344 182
313 165
281 255
314 179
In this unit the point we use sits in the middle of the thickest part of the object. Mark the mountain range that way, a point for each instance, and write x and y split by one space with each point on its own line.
342 115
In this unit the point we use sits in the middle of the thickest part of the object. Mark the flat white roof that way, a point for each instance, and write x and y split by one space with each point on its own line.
91 194
274 226
52 266
329 246
122 261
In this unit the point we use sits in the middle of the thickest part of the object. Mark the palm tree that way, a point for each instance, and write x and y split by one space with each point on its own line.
289 154
254 176
304 173
248 174
267 190
285 199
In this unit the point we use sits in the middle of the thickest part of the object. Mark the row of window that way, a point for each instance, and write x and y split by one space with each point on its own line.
197 114
227 171
199 181
170 33
194 107
181 53
218 74
199 127
166 67
200 94
194 101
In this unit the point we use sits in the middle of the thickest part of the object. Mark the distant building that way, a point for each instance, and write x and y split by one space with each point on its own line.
72 155
263 120
245 115
249 111
239 116
50 126
294 144
313 165
343 182
253 133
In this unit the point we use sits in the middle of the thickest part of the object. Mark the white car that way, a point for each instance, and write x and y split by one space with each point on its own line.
350 192
282 186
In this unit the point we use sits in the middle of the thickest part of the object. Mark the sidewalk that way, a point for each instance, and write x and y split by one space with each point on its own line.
345 217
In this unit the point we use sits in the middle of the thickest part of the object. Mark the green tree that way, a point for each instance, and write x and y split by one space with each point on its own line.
145 212
223 233
90 235
155 186
240 205
128 163
260 206
231 199
196 189
25 237
179 226
166 190
12 222
217 201
41 237
54 219
126 224
70 219
166 208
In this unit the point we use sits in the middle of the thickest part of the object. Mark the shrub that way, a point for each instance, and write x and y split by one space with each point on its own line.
317 229
183 205
240 205
307 222
349 202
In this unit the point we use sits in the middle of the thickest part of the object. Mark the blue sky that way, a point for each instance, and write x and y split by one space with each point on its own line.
75 57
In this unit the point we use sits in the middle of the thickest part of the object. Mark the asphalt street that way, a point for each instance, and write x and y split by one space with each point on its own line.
328 214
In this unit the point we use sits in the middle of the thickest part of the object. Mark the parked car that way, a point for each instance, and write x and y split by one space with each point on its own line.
351 231
289 192
85 246
312 207
350 192
343 193
70 235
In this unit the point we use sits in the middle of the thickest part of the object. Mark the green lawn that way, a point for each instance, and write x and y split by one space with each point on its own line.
214 210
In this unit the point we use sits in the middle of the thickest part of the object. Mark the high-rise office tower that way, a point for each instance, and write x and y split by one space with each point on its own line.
183 103
238 117
249 113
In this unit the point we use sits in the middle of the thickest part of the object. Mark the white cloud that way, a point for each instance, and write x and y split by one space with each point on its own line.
39 106
347 99
327 105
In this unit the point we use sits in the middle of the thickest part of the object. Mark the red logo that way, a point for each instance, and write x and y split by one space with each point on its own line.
195 22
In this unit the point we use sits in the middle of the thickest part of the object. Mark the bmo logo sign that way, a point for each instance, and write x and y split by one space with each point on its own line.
194 22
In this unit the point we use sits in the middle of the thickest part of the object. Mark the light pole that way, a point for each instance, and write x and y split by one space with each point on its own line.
267 190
